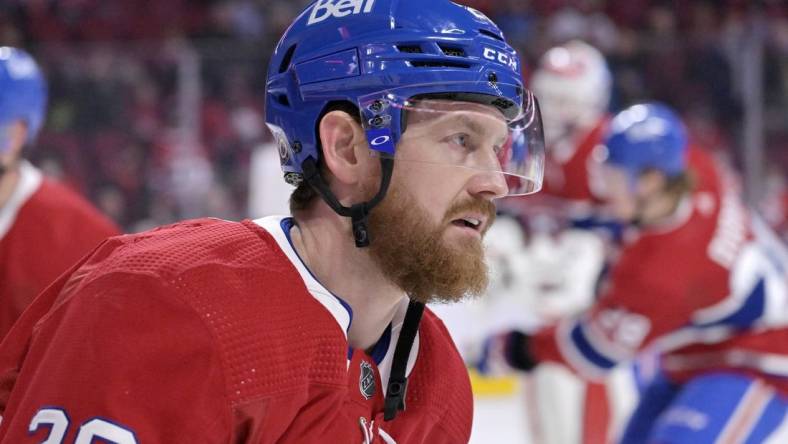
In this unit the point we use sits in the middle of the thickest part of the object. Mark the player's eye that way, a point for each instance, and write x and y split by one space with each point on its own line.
461 139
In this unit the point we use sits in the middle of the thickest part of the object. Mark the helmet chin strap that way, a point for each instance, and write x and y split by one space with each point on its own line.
358 213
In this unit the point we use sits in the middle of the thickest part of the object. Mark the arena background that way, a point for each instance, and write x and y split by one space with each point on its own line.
156 106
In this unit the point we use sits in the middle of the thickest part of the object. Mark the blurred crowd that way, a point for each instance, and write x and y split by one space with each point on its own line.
155 107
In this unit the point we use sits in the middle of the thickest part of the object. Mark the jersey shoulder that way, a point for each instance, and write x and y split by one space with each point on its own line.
171 251
238 282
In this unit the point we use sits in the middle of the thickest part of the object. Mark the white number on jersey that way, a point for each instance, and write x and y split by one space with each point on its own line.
94 428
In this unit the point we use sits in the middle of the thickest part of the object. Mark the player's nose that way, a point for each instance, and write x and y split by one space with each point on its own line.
488 185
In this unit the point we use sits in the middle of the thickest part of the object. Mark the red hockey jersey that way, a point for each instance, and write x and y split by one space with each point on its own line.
44 229
210 331
704 290
567 188
567 166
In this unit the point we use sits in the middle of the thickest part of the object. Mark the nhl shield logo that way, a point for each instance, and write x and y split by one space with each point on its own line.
366 380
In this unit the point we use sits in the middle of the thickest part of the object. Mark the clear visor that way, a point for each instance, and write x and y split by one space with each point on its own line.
477 132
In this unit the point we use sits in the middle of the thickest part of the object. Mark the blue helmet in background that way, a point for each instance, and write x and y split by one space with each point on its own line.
647 136
23 93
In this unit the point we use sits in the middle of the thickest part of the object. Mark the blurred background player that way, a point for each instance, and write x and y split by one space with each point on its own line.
569 241
44 226
574 86
698 281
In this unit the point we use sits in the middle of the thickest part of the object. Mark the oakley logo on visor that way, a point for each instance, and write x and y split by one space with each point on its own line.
380 140
325 9
501 57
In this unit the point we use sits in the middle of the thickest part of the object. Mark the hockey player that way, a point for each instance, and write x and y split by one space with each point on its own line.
695 282
573 83
44 227
392 118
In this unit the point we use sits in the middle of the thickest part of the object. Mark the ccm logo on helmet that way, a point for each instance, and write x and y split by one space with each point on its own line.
500 57
338 8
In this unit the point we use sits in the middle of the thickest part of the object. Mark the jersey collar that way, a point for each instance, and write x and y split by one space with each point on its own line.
279 228
383 352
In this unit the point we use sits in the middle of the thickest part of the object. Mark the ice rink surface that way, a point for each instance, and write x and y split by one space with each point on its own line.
500 419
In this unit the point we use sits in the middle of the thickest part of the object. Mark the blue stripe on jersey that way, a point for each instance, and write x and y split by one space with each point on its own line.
381 347
700 411
588 351
750 311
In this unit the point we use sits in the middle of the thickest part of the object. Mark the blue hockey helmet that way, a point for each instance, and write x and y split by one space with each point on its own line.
23 93
383 55
647 136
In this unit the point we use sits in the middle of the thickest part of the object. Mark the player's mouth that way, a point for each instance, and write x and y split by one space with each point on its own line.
471 223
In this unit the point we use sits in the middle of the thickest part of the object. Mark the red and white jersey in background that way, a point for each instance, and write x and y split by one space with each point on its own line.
566 193
210 331
44 229
566 165
703 290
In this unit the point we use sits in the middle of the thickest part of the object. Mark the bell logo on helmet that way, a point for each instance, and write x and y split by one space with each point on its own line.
500 57
478 14
324 9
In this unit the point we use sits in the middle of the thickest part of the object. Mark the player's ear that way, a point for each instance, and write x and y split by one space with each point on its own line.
341 138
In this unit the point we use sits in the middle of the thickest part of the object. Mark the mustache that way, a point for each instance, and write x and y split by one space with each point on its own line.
485 207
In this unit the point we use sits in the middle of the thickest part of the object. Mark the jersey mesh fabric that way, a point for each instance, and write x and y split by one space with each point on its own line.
233 252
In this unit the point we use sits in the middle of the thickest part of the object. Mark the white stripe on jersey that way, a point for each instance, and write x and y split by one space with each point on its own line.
273 225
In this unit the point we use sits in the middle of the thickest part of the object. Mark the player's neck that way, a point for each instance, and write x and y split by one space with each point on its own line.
325 244
8 182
